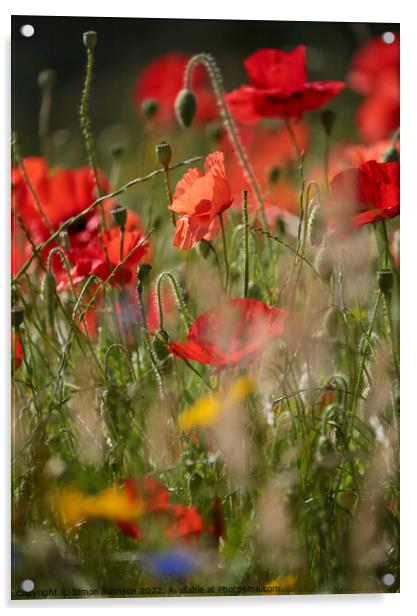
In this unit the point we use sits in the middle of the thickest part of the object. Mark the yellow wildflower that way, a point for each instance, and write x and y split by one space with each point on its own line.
73 506
282 585
205 412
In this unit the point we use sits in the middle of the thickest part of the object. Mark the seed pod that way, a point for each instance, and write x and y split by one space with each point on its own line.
185 107
385 280
163 153
331 321
119 214
316 224
149 107
90 39
324 263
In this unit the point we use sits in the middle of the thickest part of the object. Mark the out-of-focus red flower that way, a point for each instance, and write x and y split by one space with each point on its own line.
366 194
17 351
180 522
163 78
101 256
168 307
375 74
62 194
231 334
278 87
198 199
268 150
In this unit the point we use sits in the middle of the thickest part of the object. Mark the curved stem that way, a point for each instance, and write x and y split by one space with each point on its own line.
74 219
182 307
246 242
217 83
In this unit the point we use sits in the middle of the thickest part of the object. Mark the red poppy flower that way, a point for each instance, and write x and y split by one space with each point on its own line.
232 333
278 87
198 199
163 78
181 522
62 194
101 258
368 193
375 74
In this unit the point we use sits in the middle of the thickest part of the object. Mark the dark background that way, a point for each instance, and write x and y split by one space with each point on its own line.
125 45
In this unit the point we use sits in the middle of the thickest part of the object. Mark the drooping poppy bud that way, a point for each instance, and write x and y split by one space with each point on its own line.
49 295
316 224
185 107
324 263
164 154
149 107
90 39
327 118
385 280
142 275
274 174
119 214
331 321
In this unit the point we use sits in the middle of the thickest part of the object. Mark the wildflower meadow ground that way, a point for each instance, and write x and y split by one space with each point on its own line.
205 333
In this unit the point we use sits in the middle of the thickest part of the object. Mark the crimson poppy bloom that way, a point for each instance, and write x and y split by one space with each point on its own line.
375 74
278 87
198 199
101 256
368 193
181 522
231 334
62 194
163 78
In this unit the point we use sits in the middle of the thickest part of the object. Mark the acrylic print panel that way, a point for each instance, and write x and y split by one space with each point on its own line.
205 307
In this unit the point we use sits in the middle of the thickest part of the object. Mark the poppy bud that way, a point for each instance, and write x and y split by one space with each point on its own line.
49 295
203 247
142 274
324 263
164 153
331 321
116 150
90 39
391 156
316 224
17 316
254 290
185 107
149 107
46 79
119 214
385 280
63 236
274 174
327 118
214 131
